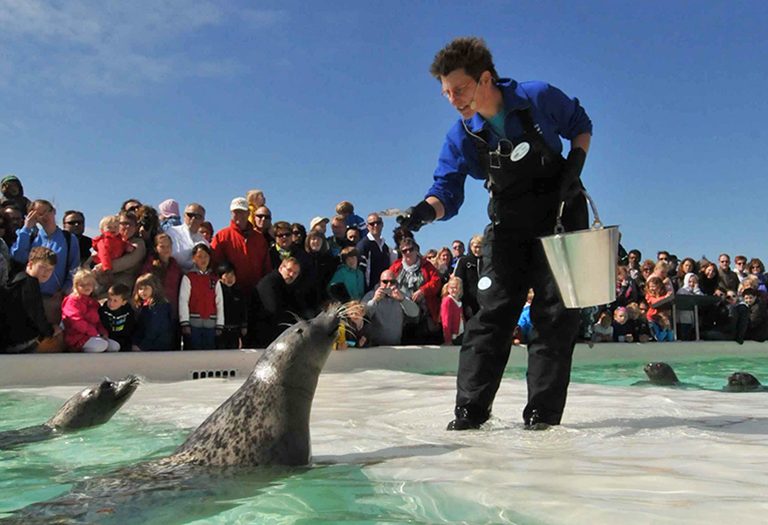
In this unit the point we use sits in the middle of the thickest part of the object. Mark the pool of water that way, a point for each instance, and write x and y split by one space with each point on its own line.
709 374
637 455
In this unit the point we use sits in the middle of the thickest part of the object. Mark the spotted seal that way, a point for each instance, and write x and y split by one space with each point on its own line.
661 374
264 423
743 382
92 406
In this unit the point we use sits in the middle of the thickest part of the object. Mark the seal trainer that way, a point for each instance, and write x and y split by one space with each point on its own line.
93 406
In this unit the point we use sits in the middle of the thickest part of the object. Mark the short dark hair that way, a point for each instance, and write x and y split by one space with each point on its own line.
120 289
224 267
468 53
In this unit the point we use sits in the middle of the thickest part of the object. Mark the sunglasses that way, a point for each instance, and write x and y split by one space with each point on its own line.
388 281
262 216
133 208
407 250
376 223
193 215
283 235
74 223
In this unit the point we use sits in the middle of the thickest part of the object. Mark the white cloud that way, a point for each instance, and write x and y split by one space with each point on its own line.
114 47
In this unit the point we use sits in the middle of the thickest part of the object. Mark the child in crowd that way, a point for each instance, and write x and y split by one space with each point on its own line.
352 331
349 275
168 213
117 316
641 332
235 309
451 312
655 292
758 315
154 330
522 332
685 319
201 303
109 245
347 210
83 331
23 326
661 328
602 331
622 327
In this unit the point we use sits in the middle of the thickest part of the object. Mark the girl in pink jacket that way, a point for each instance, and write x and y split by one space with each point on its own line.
451 313
83 331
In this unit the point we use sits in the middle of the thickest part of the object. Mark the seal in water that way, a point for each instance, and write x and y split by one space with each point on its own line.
661 374
265 422
93 406
743 382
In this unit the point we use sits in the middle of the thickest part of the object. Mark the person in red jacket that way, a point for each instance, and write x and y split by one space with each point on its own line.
201 303
242 247
83 331
418 279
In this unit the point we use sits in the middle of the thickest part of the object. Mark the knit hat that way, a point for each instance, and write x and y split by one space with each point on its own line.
10 178
169 208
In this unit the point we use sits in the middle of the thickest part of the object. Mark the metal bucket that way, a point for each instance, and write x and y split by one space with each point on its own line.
584 262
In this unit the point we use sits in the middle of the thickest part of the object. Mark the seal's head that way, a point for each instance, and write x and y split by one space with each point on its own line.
95 405
661 374
742 382
300 352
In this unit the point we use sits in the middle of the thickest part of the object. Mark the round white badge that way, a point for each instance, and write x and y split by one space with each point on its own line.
484 283
520 151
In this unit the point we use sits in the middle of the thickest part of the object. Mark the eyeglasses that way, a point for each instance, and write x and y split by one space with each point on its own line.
376 223
407 250
731 296
741 263
262 216
192 215
457 92
73 223
388 281
283 235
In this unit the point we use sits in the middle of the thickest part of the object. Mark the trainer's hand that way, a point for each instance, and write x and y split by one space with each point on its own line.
417 216
570 185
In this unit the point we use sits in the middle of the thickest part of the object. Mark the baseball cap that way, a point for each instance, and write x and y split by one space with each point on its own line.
239 203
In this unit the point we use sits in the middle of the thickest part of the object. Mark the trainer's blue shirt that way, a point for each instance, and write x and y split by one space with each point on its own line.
556 113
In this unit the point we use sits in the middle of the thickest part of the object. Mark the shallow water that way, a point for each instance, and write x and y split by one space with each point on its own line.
639 455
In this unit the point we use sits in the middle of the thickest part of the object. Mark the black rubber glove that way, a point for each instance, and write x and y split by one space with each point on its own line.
570 185
417 216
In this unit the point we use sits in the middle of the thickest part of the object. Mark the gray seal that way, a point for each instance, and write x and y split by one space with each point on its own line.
264 423
90 407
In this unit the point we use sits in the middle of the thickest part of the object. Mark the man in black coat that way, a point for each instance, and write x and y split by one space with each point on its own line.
277 306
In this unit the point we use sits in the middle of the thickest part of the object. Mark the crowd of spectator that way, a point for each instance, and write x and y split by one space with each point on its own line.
165 279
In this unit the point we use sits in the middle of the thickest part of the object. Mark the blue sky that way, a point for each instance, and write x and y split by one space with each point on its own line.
316 102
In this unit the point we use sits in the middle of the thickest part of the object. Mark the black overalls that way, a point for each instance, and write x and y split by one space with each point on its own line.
523 182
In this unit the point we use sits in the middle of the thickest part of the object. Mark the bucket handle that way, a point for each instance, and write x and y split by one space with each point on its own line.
596 223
